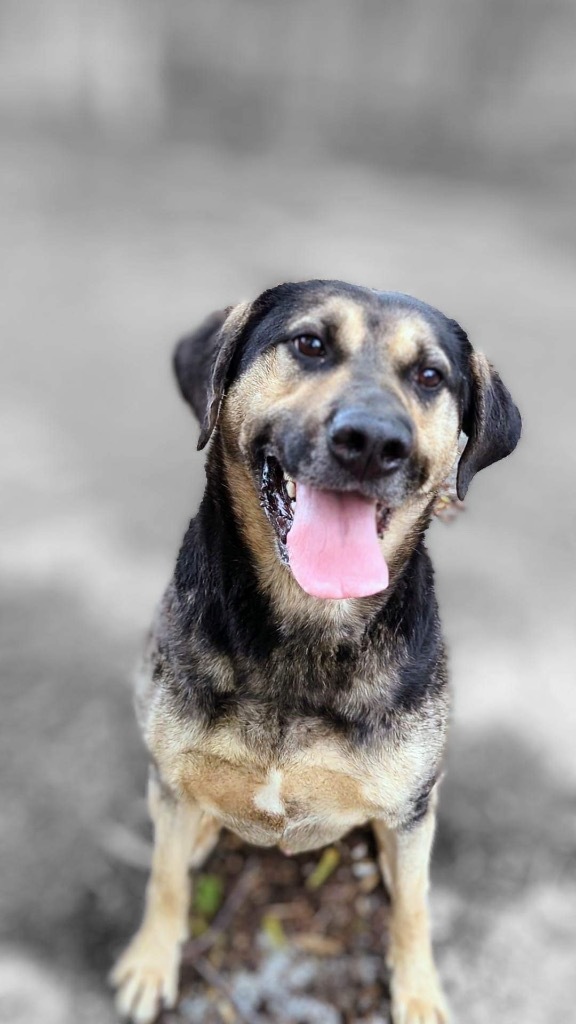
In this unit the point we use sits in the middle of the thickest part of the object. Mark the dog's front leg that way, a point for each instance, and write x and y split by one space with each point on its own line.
146 974
404 855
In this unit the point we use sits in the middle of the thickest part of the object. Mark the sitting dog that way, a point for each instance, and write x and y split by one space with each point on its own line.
294 684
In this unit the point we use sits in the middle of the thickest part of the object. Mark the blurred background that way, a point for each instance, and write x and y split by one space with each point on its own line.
163 159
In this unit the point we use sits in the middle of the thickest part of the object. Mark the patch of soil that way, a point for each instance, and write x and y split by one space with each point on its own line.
294 939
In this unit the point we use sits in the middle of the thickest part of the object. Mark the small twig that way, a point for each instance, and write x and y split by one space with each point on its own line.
224 916
207 971
193 953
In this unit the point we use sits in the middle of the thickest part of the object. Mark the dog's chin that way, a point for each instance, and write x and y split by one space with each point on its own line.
328 538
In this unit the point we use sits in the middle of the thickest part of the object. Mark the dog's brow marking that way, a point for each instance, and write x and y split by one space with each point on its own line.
352 326
267 797
348 317
406 337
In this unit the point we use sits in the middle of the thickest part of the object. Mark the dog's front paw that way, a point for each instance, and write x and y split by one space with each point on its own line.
424 1004
146 978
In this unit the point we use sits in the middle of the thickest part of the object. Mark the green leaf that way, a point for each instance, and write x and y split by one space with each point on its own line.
272 928
328 863
208 893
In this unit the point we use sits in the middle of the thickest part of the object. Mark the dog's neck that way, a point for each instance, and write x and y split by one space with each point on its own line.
238 605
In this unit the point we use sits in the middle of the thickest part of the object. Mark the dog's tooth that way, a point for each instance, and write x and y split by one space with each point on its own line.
290 489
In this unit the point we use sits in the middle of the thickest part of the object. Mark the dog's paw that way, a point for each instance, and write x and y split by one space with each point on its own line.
146 978
423 1006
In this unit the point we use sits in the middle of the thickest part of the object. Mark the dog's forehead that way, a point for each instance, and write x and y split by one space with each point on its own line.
400 331
359 316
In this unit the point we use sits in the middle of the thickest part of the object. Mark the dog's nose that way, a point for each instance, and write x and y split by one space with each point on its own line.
370 446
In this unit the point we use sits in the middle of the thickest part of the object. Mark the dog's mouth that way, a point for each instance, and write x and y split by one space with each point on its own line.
329 539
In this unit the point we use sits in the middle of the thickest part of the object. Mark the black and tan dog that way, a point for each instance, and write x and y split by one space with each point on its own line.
295 682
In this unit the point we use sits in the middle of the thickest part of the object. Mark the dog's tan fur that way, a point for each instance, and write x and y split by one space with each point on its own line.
307 784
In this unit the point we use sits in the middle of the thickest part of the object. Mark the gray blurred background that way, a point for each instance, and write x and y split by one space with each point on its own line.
160 160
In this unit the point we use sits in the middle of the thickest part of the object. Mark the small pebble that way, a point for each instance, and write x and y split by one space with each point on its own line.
306 1008
363 869
363 906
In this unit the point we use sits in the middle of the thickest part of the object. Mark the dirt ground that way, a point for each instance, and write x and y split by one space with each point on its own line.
109 255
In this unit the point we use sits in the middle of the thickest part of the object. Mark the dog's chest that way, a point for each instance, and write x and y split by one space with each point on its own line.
301 797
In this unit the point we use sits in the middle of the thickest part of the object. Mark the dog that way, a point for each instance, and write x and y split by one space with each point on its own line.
294 685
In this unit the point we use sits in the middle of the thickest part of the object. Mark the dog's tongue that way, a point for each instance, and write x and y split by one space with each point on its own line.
333 545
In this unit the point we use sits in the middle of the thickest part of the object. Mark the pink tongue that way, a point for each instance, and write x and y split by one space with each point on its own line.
333 545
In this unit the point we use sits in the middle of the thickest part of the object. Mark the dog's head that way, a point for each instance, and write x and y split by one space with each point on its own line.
345 405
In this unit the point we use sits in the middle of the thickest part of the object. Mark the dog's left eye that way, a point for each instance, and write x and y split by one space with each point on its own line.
309 345
429 377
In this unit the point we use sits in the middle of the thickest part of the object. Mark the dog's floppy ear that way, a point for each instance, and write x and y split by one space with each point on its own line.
201 363
490 420
193 358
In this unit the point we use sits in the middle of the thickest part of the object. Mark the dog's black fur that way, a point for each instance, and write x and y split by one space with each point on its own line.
246 674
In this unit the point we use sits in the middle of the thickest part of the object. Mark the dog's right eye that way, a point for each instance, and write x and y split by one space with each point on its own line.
309 345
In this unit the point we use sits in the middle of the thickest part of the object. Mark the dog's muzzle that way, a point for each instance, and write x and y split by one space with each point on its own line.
331 506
